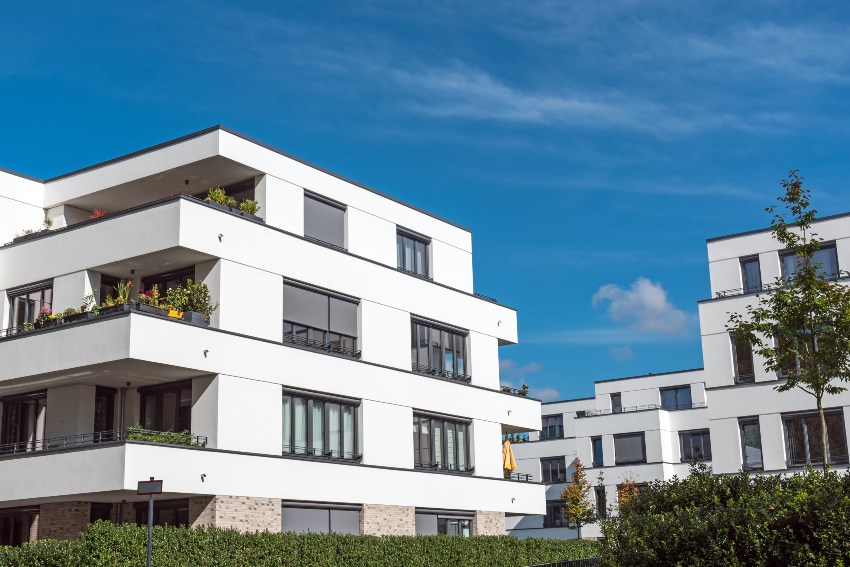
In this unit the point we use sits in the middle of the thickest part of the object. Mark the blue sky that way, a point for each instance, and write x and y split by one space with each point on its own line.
592 147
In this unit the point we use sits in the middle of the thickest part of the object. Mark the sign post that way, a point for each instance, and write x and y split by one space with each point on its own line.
149 488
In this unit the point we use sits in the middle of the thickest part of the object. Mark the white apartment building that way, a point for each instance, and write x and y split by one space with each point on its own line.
346 319
727 415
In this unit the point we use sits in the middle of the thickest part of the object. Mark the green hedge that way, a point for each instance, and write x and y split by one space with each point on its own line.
124 545
801 519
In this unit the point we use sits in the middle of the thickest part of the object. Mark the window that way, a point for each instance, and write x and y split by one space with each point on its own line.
436 350
803 439
825 259
751 274
26 302
616 403
751 442
320 320
553 470
167 407
676 398
443 522
596 444
303 518
165 512
23 422
454 527
324 220
554 517
629 448
742 355
16 525
100 511
319 427
553 427
440 444
695 445
412 253
168 280
104 414
601 502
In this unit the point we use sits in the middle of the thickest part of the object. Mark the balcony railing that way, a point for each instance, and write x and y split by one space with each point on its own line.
485 297
514 391
443 467
331 346
307 453
448 374
647 407
113 436
521 477
743 291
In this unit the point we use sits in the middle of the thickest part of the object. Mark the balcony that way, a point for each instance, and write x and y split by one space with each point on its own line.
137 434
335 347
632 409
443 374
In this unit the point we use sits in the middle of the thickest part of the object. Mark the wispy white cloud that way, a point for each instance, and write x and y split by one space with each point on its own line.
600 336
621 354
514 375
643 306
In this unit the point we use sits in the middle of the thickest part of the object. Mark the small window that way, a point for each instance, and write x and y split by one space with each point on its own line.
16 525
324 220
319 320
742 354
676 398
598 459
440 444
601 502
100 511
751 274
751 443
629 448
826 260
454 527
616 403
553 427
437 350
696 445
553 470
803 439
412 253
554 517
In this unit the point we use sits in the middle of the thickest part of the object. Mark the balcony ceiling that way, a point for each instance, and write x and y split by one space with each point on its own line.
150 264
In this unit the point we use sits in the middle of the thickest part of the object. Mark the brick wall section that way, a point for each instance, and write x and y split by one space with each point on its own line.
243 513
63 520
488 523
33 535
126 514
379 520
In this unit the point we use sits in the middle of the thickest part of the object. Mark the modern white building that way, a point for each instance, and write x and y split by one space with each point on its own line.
346 320
728 414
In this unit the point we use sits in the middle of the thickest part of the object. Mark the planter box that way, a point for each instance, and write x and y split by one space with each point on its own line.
234 210
195 318
154 310
77 317
29 236
117 309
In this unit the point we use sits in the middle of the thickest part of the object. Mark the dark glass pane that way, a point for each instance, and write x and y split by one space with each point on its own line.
448 356
827 261
836 438
796 441
421 259
668 399
425 442
151 412
814 430
744 369
683 396
169 411
324 222
399 248
436 350
752 445
597 452
460 354
409 260
751 275
629 449
423 346
616 403
706 445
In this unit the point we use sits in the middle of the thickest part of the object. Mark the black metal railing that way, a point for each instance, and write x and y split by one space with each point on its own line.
310 453
415 273
325 243
646 407
329 346
485 297
743 291
113 436
443 467
588 562
521 477
514 391
448 374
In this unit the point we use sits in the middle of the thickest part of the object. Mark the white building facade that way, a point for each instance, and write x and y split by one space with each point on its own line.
346 319
728 414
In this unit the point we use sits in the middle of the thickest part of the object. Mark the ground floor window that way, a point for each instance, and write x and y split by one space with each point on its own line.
16 525
443 522
554 517
165 513
803 438
303 517
100 511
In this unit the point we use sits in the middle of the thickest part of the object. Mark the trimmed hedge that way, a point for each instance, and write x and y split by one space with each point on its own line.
106 544
737 520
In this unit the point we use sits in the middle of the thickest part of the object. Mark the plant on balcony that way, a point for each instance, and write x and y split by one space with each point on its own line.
152 298
139 433
89 304
45 317
219 195
97 213
249 206
191 297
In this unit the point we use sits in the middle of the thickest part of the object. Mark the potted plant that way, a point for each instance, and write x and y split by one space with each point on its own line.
121 302
249 207
218 196
150 301
194 300
28 233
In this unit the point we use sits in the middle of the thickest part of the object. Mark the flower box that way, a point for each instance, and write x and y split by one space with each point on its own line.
154 310
77 317
120 308
23 237
195 318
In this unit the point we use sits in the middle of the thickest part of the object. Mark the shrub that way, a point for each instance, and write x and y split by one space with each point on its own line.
191 297
249 206
741 519
125 545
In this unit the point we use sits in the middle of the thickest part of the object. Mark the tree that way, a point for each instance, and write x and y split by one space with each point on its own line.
626 491
578 510
801 325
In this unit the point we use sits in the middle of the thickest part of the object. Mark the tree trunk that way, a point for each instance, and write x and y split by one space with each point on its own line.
823 433
579 531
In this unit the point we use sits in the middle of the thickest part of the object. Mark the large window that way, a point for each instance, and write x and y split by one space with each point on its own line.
742 355
695 445
751 443
168 280
412 253
319 320
165 512
553 427
460 527
598 456
440 444
308 518
316 426
825 259
629 448
676 398
26 302
23 422
803 439
437 350
16 525
324 220
751 274
104 414
553 470
554 517
167 407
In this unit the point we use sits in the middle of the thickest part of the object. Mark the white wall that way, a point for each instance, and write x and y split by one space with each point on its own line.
70 289
70 411
20 205
384 334
282 204
382 444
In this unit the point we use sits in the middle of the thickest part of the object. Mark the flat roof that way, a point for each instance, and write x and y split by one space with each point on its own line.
211 129
648 375
768 229
571 400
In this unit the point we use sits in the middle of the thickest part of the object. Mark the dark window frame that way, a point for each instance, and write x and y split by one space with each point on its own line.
742 423
679 404
443 422
831 245
310 399
36 287
803 416
601 453
601 501
552 431
179 505
546 476
703 433
747 286
741 378
299 333
401 255
331 203
160 280
104 433
100 511
10 436
618 407
462 523
458 336
554 517
642 436
19 522
159 390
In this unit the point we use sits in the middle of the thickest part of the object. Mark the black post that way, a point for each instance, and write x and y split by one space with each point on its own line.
150 527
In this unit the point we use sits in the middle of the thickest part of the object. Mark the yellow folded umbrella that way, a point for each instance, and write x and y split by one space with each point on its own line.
508 461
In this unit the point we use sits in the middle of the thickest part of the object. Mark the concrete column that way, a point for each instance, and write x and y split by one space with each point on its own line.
70 411
69 290
66 215
63 520
488 523
772 442
281 204
380 520
242 513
